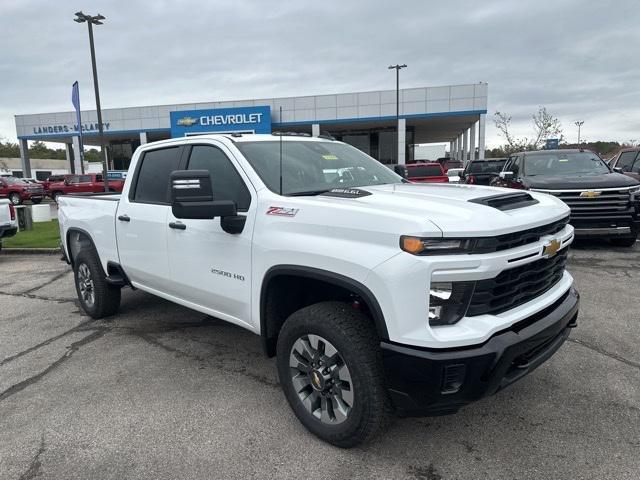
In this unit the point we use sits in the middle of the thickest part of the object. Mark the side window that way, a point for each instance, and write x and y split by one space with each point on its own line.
85 179
517 165
625 161
152 184
508 164
74 179
636 164
225 179
98 178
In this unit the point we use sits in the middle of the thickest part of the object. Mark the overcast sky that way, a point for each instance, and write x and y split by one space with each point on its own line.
579 58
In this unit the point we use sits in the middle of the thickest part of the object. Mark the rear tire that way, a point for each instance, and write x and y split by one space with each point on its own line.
97 298
624 242
349 405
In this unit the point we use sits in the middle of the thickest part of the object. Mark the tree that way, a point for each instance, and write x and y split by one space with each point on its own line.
545 126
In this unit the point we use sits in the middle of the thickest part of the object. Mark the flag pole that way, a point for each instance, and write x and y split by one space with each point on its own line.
75 99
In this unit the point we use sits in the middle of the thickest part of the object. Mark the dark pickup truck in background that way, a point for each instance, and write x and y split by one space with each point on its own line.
426 173
604 203
627 161
481 172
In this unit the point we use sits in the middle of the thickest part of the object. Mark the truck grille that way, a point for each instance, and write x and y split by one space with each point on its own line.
516 286
518 239
608 205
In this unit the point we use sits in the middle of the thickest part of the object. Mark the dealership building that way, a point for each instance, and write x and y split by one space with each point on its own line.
453 114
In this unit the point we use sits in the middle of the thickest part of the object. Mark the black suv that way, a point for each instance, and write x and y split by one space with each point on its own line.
603 203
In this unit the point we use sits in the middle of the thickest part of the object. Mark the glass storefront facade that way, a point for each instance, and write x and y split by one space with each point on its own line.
380 143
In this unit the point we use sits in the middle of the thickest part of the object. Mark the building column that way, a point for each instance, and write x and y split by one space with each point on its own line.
143 138
451 149
77 156
456 147
315 129
465 149
68 150
481 125
24 156
460 147
402 126
472 141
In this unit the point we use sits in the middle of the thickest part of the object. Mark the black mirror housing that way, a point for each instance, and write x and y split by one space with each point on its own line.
192 197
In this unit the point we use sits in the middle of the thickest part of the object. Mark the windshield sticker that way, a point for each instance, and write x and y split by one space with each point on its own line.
282 211
563 160
329 157
346 193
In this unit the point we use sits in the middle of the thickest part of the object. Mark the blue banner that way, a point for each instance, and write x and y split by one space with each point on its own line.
221 120
75 99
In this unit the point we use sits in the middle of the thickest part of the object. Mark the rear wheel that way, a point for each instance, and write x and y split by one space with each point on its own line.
97 297
330 368
624 242
15 198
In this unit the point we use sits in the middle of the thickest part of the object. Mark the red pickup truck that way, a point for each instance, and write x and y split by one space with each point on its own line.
88 183
18 191
426 172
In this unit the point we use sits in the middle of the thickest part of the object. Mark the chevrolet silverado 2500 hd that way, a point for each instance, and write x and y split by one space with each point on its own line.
376 295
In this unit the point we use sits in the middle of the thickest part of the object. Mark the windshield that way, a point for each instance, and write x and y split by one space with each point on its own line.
570 163
13 180
486 166
314 167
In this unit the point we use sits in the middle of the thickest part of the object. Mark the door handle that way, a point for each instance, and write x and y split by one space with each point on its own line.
178 226
124 218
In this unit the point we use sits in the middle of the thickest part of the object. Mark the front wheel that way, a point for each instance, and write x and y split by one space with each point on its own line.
15 198
97 297
330 368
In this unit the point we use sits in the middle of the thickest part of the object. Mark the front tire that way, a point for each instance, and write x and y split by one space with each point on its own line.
330 368
97 298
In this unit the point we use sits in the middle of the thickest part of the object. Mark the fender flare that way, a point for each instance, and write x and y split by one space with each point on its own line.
328 277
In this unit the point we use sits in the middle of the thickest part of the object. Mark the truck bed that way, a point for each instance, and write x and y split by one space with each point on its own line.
94 214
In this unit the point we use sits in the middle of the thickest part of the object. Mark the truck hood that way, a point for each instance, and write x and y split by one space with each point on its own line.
586 182
449 207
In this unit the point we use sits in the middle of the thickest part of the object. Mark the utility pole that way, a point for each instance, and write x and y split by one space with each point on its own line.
579 124
397 68
96 20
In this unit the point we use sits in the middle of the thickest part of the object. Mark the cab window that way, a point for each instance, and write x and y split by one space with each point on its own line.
225 179
625 161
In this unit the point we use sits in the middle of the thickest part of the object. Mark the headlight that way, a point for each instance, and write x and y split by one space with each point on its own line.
435 246
448 301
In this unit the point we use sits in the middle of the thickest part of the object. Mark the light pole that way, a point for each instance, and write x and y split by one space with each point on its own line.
91 21
579 124
397 68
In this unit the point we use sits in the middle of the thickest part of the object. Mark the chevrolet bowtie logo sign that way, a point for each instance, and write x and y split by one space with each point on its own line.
187 121
590 194
551 248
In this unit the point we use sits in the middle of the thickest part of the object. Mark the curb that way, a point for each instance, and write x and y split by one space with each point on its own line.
30 251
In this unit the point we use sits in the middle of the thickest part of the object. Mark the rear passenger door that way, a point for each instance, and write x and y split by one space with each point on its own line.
210 267
141 220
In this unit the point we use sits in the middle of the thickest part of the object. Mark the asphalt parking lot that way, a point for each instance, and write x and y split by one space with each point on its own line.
163 392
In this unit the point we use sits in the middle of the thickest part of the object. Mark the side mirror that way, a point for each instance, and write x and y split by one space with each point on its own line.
66 181
506 175
401 170
192 197
618 170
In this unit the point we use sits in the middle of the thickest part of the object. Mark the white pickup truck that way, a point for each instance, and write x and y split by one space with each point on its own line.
377 295
8 220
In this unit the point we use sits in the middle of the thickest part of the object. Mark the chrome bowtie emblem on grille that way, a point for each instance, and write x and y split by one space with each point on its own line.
590 194
551 248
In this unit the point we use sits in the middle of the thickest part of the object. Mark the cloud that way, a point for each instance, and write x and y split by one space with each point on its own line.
577 58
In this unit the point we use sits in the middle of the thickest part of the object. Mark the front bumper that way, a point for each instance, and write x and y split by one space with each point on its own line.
425 382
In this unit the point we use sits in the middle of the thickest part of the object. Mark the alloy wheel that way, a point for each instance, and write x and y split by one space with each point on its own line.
85 284
321 379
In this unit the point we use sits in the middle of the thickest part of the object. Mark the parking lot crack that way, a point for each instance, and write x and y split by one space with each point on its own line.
601 351
39 297
34 467
48 282
98 332
75 329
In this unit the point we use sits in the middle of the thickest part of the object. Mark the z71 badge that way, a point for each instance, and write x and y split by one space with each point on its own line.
282 211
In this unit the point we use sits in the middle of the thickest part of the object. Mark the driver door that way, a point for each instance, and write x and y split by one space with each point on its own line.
208 266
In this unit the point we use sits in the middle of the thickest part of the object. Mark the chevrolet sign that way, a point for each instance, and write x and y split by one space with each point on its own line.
255 119
187 121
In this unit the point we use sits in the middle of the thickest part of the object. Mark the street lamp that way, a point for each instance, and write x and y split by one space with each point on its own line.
579 124
397 68
91 21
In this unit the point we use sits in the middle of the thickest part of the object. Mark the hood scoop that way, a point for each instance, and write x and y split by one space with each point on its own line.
506 201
